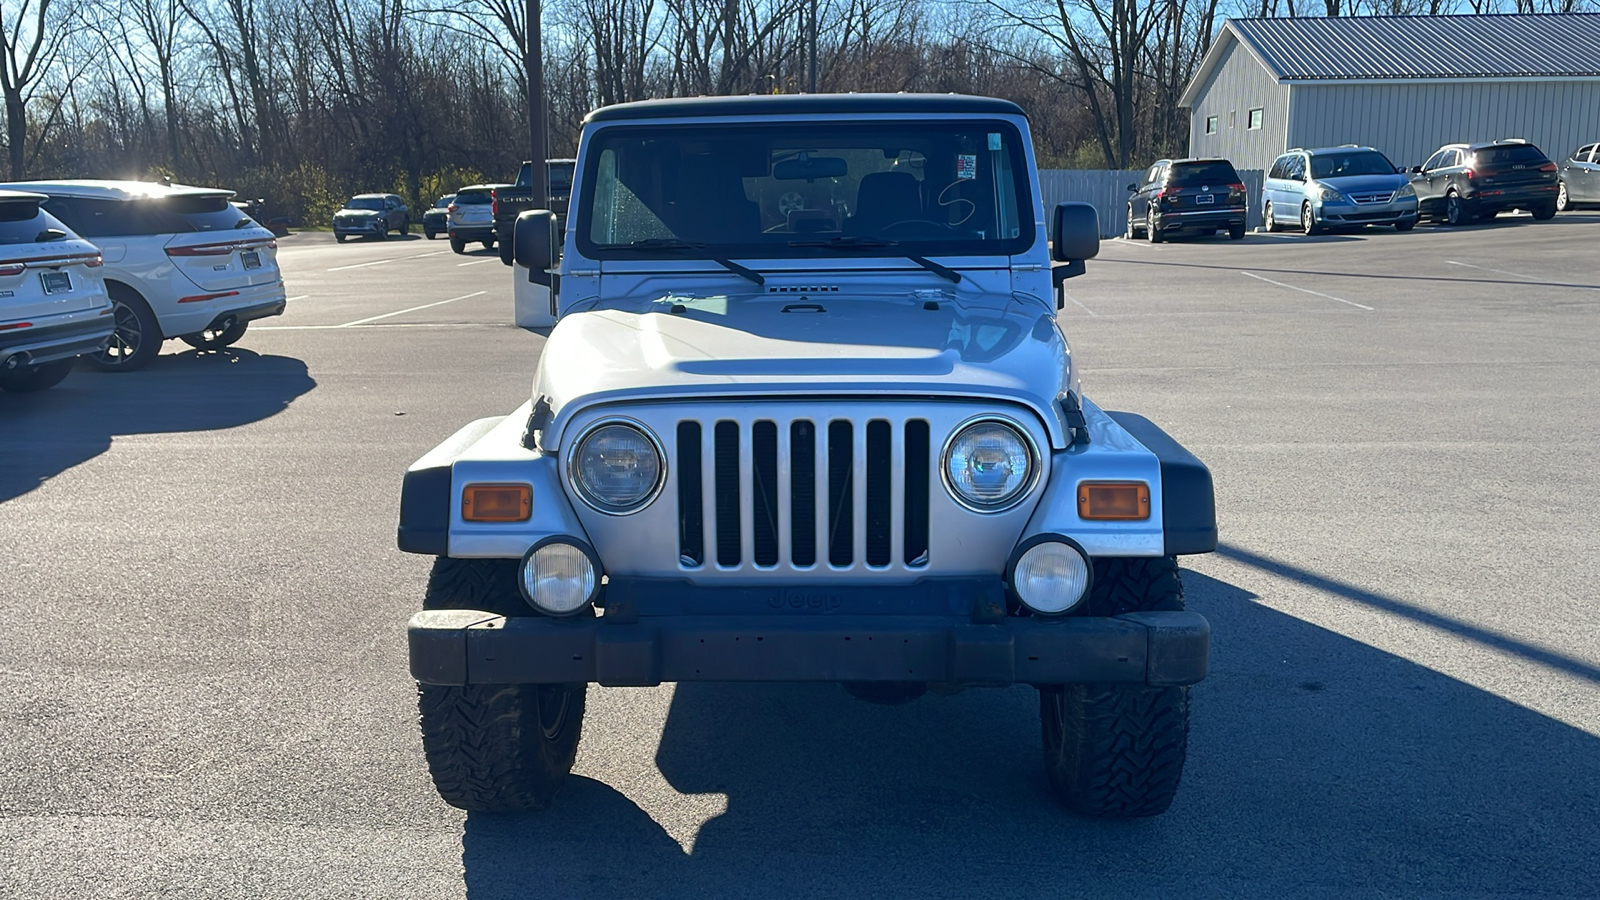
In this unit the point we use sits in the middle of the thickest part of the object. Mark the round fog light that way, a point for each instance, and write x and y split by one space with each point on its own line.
559 577
1051 575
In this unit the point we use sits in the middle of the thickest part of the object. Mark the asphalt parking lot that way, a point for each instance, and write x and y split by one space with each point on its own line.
203 685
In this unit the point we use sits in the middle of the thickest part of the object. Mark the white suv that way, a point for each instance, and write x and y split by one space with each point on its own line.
180 262
53 305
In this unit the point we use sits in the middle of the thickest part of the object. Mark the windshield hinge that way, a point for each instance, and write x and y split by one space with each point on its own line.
1076 423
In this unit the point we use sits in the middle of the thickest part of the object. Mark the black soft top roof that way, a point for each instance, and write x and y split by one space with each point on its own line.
804 104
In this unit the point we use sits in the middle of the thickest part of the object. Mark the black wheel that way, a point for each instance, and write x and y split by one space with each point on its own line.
506 254
1308 220
1563 200
495 747
430 235
1405 226
1150 230
1455 210
214 338
382 233
1545 212
137 338
405 227
488 243
339 237
27 379
457 244
1118 750
1236 232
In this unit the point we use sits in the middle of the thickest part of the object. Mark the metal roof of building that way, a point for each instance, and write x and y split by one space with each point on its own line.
1404 47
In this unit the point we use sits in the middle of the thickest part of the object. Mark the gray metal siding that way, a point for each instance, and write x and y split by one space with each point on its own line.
1238 85
1408 121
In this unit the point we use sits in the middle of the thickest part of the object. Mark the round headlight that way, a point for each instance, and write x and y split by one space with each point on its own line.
1051 576
617 468
558 577
988 465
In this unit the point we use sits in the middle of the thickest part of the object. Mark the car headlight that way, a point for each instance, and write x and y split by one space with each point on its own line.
1050 574
559 576
1331 195
1406 190
617 467
989 465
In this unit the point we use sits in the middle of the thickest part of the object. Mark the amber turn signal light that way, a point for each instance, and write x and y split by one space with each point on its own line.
497 503
1113 500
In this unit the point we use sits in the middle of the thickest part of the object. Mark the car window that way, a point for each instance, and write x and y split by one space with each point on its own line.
23 222
1340 165
444 201
1509 154
561 176
1582 153
473 198
143 217
1294 168
1280 168
1211 172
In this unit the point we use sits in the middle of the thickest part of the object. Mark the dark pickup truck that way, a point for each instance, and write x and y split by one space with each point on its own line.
513 201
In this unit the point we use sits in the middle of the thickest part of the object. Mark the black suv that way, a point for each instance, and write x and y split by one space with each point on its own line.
1463 182
1188 196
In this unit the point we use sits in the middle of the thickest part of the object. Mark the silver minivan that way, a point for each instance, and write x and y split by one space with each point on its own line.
1337 187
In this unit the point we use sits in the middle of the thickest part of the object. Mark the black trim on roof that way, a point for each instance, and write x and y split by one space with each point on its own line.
804 104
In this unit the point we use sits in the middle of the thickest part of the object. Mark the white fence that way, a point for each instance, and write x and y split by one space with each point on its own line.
1107 189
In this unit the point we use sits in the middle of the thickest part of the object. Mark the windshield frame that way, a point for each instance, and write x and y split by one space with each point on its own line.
783 248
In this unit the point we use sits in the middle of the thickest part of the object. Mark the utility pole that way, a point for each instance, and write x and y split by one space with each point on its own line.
811 52
533 67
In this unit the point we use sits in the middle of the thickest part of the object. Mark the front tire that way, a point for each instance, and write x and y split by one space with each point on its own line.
1563 200
137 338
339 237
1406 225
495 747
1117 750
1455 210
27 379
1268 221
1308 220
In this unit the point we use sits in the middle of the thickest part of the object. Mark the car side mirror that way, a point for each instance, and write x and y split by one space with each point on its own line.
1133 187
1075 237
1416 170
534 244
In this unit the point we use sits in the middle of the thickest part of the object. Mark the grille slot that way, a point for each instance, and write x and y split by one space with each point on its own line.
841 492
917 467
764 492
803 493
726 480
691 515
880 500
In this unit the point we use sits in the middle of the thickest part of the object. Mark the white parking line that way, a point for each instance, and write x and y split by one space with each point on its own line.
384 325
475 262
412 309
292 299
1307 291
1496 271
1086 309
379 262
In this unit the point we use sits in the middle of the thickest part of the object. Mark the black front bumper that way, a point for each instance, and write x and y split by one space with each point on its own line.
457 647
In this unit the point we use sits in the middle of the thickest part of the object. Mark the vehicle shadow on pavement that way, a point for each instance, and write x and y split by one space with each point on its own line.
46 433
1318 766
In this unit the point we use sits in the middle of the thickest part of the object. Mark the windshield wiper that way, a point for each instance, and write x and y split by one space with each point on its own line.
680 244
871 242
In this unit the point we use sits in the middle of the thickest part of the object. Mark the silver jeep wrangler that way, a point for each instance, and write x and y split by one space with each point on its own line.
807 415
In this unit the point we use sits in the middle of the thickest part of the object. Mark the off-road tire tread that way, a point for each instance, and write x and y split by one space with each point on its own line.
1135 585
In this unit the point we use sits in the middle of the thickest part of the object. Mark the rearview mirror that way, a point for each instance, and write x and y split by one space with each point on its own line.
534 244
809 169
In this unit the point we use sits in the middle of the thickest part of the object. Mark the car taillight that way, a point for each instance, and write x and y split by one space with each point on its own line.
1470 174
494 203
12 269
1548 167
94 262
450 209
202 250
1237 188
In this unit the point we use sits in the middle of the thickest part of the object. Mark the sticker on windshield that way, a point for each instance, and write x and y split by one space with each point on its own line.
994 140
966 166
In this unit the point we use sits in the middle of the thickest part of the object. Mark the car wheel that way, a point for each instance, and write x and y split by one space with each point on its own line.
488 243
1544 212
405 227
137 336
1118 750
27 379
339 237
215 338
506 254
1268 221
430 235
1150 230
1132 231
1563 202
457 244
495 747
382 233
1455 210
1236 232
1308 219
1406 225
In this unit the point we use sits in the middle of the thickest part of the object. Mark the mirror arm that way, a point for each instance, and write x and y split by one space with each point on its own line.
1058 276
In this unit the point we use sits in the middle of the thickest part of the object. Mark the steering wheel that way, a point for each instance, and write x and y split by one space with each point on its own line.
790 201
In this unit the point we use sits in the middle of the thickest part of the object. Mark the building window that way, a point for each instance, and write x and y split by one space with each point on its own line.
1233 119
1211 124
1255 119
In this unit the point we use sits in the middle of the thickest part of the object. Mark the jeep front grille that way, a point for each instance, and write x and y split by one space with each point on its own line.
785 462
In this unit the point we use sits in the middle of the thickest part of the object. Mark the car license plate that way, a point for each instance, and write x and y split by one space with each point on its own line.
1205 198
56 282
251 259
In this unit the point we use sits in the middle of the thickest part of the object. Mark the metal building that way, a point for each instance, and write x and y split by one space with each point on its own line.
1403 84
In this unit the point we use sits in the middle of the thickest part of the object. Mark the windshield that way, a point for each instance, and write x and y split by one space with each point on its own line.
1508 155
365 203
444 201
806 189
1340 165
1217 172
473 198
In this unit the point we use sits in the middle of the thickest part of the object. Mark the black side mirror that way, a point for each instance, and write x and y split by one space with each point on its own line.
1416 170
1133 187
1075 232
534 244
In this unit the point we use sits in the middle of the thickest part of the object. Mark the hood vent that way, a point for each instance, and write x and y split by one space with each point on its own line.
803 289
